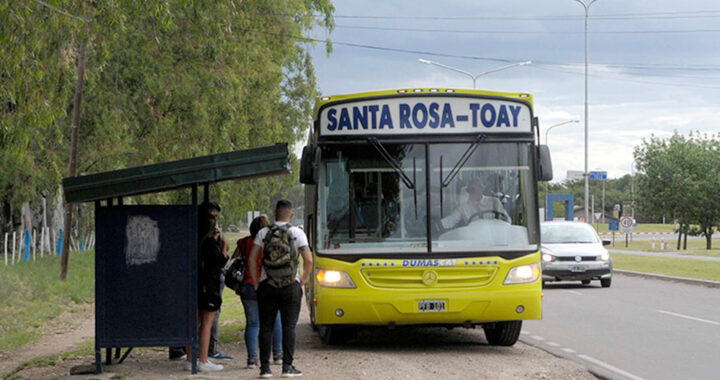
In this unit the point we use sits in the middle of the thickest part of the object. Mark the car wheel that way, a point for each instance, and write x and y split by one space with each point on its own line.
335 335
585 282
503 333
606 282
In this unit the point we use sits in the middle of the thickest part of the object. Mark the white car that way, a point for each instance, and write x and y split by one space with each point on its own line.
573 251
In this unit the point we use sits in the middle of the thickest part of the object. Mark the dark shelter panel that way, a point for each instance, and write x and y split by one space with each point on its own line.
144 272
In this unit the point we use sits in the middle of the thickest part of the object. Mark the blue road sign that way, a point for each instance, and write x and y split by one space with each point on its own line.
598 175
614 225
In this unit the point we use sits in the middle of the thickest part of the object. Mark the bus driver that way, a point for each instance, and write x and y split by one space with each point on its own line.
475 206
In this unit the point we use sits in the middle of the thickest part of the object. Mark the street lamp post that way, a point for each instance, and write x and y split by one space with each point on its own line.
632 189
586 5
473 77
557 125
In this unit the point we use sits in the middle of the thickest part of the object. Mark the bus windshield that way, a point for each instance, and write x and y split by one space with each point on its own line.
365 202
480 198
372 198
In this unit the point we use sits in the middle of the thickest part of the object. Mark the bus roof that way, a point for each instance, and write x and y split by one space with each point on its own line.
325 99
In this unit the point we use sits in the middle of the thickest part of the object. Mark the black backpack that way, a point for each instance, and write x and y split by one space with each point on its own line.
280 256
235 274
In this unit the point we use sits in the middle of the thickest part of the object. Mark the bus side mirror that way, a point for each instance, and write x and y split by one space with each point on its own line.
309 164
545 172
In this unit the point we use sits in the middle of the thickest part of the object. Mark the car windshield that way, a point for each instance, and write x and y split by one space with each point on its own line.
567 233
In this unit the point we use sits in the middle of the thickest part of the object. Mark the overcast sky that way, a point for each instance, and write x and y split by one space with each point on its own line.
655 65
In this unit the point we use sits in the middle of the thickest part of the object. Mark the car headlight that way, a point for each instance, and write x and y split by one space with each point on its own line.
523 274
604 257
334 279
548 257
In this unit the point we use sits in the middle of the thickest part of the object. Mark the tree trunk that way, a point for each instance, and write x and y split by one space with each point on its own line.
72 167
685 239
680 232
708 238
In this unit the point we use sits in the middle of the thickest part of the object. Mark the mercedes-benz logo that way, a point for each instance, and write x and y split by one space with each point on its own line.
578 258
429 277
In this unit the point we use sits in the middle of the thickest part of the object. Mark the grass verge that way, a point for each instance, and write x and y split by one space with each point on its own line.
643 227
31 295
232 318
670 266
694 246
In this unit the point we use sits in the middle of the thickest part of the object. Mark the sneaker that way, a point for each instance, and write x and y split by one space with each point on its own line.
252 364
277 361
265 373
220 355
209 367
179 358
188 366
291 372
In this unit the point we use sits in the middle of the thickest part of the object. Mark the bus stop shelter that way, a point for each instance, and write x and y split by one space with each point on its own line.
146 256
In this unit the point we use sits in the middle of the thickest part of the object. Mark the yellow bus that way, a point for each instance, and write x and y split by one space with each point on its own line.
421 209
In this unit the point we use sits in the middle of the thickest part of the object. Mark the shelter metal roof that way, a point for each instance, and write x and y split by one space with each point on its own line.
256 162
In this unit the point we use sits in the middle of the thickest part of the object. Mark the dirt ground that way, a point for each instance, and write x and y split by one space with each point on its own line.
412 353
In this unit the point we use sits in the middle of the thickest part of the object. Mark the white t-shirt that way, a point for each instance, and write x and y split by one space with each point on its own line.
301 241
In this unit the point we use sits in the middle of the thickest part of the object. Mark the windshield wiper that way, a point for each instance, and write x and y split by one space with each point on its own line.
410 183
445 182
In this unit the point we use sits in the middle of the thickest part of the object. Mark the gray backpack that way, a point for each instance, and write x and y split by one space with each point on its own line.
280 256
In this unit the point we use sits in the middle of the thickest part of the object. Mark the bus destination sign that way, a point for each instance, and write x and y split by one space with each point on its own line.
425 115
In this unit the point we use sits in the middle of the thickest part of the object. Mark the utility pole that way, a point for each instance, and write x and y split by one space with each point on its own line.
72 166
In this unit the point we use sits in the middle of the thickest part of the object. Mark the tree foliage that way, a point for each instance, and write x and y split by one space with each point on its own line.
678 178
165 80
617 192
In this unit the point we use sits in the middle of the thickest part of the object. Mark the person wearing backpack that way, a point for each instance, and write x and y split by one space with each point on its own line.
250 302
279 287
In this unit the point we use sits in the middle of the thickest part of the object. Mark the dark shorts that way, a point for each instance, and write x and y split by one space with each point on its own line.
209 301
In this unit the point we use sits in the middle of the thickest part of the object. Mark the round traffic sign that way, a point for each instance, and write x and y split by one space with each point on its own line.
626 222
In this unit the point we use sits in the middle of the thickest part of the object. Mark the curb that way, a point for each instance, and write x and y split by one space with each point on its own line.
691 281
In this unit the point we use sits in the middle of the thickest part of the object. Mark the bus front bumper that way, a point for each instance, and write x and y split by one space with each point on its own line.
348 307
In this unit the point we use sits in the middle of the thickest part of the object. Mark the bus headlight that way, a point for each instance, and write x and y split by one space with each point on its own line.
523 274
334 279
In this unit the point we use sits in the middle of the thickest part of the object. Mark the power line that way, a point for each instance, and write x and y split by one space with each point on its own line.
625 79
401 29
543 65
617 16
58 10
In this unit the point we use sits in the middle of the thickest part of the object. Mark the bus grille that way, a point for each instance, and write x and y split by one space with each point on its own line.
412 278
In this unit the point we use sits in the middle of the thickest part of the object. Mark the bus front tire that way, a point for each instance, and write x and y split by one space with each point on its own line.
312 318
335 335
503 333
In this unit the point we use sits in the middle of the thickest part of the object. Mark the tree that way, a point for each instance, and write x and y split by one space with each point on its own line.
677 178
164 81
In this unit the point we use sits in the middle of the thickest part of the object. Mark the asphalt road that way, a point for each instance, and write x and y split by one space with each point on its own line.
637 329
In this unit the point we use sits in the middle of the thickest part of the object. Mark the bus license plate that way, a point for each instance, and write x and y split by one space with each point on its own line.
431 306
578 268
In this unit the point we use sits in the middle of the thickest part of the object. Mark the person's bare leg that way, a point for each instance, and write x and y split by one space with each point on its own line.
188 349
206 321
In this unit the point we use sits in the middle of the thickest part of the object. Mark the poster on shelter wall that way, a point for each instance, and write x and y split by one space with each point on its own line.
142 242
